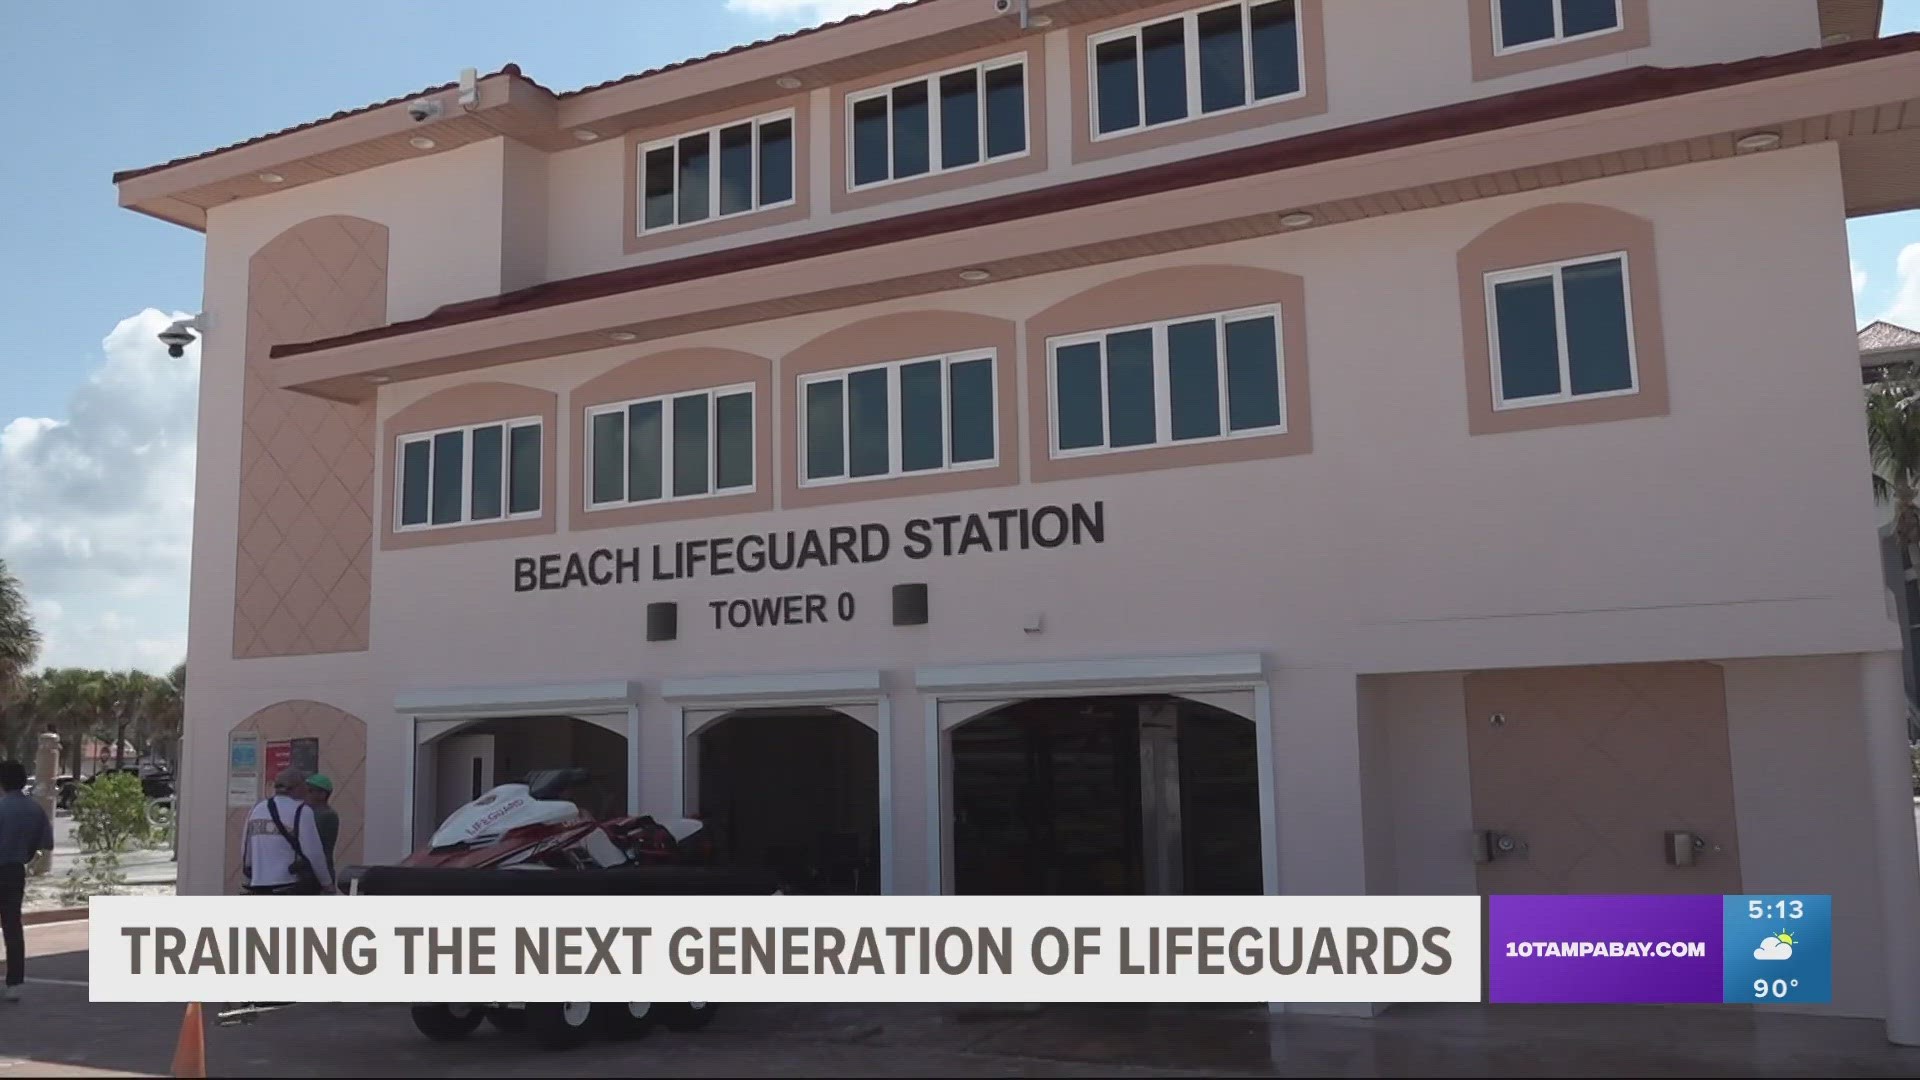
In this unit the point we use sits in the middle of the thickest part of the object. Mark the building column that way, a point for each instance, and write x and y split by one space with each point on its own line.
1317 782
1884 709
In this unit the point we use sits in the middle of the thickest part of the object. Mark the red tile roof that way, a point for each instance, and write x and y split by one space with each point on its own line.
514 70
1553 101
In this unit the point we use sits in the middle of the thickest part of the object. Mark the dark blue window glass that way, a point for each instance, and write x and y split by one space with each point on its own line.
690 445
733 441
736 168
1253 374
449 465
1163 63
970 410
1523 22
1276 49
609 457
646 451
826 426
1587 17
1117 84
1223 59
414 482
488 456
1529 344
659 187
1130 412
1006 110
920 411
1076 378
523 469
1596 304
695 150
870 140
776 162
868 451
959 119
910 127
1193 379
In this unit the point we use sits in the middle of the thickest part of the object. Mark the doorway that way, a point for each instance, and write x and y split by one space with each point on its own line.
464 771
1152 795
795 791
479 756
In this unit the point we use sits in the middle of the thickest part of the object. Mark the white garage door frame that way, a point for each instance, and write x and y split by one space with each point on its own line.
702 700
433 714
973 689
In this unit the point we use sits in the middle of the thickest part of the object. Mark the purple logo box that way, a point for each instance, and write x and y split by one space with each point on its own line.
1604 949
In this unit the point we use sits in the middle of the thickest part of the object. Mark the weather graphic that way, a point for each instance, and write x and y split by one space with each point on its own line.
1775 947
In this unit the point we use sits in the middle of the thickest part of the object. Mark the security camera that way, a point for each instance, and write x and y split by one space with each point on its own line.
1001 7
423 110
178 335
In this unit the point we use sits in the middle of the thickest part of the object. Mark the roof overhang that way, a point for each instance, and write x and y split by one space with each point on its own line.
514 106
1870 107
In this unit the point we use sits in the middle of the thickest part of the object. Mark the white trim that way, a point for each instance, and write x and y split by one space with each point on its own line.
680 761
932 82
1219 671
640 227
799 688
666 403
896 438
633 758
885 750
467 432
485 702
936 800
1500 48
1556 271
1190 40
1265 760
1163 382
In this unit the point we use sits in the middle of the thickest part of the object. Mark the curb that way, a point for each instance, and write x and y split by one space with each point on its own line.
57 915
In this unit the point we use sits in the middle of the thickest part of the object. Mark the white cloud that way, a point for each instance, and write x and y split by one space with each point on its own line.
96 510
1859 279
1905 308
1773 949
806 12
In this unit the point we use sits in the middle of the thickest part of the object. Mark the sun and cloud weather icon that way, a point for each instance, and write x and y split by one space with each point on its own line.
1775 947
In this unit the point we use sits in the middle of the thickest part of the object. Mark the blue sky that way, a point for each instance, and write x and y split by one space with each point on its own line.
96 423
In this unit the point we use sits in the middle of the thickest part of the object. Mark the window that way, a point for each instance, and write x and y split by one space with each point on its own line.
1528 24
463 476
897 419
681 446
949 120
1560 332
716 173
1183 380
1195 64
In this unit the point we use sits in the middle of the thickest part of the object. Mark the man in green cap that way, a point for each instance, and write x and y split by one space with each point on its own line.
325 818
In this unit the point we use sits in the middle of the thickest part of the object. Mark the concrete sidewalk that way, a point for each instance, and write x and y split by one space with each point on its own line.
57 1032
147 870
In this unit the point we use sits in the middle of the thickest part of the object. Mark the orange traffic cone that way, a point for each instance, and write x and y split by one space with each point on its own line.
190 1054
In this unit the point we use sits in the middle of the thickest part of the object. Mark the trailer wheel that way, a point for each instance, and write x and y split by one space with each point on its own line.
687 1016
444 1022
624 1019
559 1025
510 1021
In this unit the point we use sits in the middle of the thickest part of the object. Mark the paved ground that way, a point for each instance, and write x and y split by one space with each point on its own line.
148 870
56 1032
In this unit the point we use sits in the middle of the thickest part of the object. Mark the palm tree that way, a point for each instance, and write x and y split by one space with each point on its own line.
74 703
163 710
22 710
19 641
1893 437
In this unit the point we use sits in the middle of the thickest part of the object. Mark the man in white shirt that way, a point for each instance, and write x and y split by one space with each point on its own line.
280 850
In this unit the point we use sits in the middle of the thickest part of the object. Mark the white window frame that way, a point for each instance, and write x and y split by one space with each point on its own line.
1555 270
934 168
714 394
401 442
1191 41
1162 382
1501 48
712 135
895 437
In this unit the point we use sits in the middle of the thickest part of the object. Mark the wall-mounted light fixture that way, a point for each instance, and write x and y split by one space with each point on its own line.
910 604
663 620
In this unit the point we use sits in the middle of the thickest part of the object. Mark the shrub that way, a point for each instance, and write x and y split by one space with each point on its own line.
110 814
98 875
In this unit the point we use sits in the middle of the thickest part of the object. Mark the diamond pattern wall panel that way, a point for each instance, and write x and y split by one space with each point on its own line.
303 575
1590 766
343 758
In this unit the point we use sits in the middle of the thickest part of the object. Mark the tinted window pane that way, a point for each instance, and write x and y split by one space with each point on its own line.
659 166
920 409
970 410
867 448
609 457
1529 347
959 119
449 463
870 140
523 470
690 445
488 451
1522 21
1253 374
1586 16
1596 306
694 152
1076 375
1276 50
1193 378
413 482
733 441
910 129
1164 60
1223 59
776 162
1006 110
646 450
736 168
1117 82
825 425
1130 388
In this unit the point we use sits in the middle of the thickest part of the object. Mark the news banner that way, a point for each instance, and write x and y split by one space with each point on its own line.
1686 949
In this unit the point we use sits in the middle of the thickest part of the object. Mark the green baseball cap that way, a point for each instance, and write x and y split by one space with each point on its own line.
319 780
